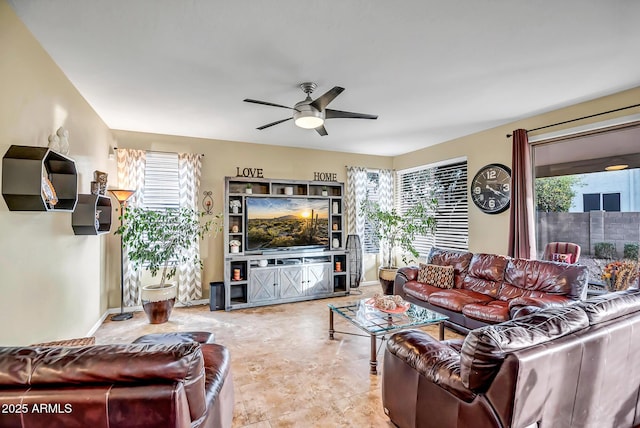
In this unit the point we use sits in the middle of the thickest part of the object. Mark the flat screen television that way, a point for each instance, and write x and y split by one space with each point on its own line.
286 223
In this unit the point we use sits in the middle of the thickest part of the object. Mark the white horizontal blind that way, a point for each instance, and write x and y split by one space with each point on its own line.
161 183
371 242
448 184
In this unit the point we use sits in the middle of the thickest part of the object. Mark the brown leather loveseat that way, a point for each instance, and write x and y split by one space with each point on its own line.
572 366
146 384
489 288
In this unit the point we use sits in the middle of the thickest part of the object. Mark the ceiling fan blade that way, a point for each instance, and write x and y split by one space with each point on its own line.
323 100
337 114
249 100
273 123
321 130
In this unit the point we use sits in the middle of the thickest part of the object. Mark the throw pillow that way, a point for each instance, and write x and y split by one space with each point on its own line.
562 258
438 276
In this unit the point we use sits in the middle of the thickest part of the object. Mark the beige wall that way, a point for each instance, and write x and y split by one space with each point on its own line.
52 283
490 233
221 159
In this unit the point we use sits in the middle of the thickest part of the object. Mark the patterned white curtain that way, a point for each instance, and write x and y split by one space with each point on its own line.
385 189
131 167
385 199
188 276
356 194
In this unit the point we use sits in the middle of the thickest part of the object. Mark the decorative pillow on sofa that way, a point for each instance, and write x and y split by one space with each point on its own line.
560 257
438 276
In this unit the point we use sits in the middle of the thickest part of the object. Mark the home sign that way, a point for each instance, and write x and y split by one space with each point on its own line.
325 176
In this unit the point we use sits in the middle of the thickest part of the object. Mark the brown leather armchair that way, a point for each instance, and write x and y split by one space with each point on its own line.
181 384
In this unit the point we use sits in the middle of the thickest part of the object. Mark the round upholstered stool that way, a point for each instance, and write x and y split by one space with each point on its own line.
176 337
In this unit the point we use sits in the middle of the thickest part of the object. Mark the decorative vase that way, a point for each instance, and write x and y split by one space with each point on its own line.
248 191
234 210
335 208
336 243
234 228
324 193
387 276
158 302
288 190
235 249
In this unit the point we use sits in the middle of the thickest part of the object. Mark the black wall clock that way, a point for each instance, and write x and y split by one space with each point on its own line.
491 188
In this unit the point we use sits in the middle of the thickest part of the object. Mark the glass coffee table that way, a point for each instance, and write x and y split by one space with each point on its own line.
377 323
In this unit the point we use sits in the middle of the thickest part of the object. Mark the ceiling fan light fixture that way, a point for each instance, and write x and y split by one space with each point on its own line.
307 117
308 122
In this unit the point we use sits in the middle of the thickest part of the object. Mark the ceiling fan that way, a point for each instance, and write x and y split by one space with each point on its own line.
311 114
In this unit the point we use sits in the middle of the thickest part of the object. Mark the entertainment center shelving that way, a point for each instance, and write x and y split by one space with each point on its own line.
258 277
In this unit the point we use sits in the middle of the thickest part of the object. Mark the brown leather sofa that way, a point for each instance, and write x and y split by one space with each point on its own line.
181 383
573 366
490 289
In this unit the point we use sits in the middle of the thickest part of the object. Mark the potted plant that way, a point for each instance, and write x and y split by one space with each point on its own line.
398 230
159 241
249 188
324 191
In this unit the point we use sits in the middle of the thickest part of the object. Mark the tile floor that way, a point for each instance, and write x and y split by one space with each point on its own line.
287 373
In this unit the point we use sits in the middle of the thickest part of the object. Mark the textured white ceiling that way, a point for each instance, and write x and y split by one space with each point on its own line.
432 70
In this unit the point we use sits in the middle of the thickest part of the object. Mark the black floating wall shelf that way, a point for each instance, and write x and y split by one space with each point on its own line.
92 215
23 169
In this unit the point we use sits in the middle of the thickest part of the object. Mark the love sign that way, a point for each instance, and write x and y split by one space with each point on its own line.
249 172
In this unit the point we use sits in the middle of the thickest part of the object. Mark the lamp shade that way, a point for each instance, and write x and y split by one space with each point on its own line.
121 194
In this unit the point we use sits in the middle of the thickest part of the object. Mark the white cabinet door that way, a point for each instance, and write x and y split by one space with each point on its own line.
291 282
318 279
263 285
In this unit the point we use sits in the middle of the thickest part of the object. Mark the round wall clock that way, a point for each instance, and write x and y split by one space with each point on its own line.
491 188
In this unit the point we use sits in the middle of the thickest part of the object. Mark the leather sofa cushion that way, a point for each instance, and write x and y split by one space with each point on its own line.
492 312
486 273
109 365
489 267
419 290
485 348
547 277
460 261
435 360
438 276
612 305
455 299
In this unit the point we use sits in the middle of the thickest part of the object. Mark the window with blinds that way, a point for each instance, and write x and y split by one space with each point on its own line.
371 243
447 182
161 182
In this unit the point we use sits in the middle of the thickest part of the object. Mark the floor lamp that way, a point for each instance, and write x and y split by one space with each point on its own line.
122 196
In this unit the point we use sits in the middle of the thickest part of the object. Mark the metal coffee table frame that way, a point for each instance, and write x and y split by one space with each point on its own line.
378 324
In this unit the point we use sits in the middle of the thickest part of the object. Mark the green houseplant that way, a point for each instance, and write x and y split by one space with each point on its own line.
398 230
159 241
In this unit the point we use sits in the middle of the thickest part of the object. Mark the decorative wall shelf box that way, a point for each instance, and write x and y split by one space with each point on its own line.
89 209
23 168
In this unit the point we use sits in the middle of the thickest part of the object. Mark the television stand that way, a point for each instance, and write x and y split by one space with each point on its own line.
281 275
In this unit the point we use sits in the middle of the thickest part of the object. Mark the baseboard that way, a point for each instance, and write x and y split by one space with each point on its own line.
368 283
98 323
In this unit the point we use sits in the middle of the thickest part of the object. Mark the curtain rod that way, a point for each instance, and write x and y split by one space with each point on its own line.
580 118
160 151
